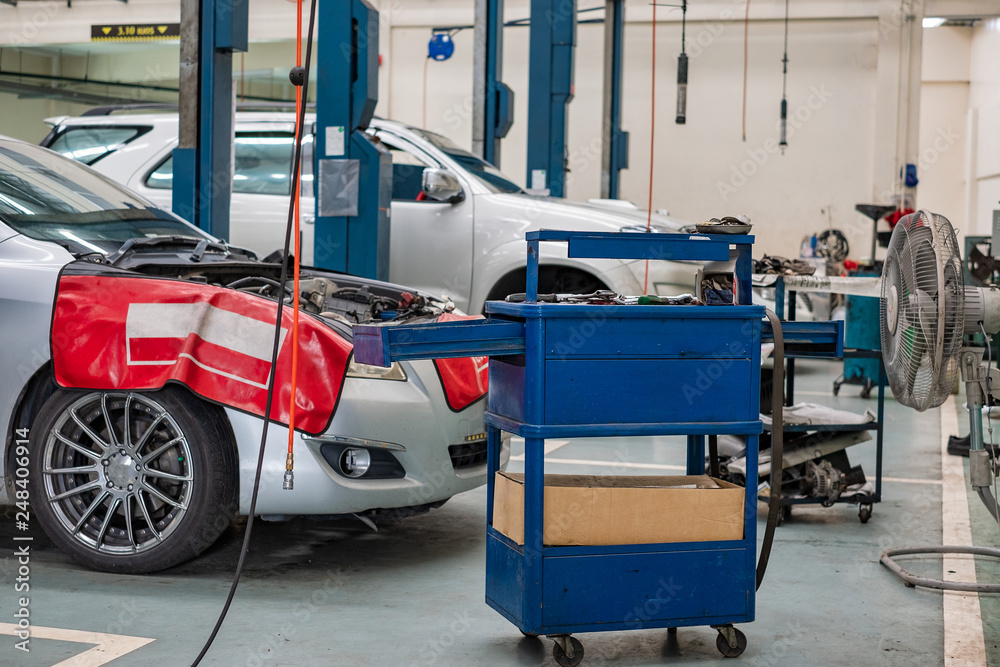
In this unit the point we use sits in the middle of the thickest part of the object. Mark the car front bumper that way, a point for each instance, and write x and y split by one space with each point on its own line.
411 414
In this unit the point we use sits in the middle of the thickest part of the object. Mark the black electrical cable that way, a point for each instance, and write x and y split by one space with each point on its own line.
713 456
777 444
299 125
783 142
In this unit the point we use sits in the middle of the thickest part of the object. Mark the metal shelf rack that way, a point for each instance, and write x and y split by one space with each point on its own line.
867 500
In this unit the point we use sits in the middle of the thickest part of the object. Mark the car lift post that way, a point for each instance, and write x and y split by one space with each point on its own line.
550 89
353 171
493 100
203 168
614 142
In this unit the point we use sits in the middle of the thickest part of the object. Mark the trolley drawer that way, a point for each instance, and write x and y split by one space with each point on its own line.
662 337
592 589
648 390
642 589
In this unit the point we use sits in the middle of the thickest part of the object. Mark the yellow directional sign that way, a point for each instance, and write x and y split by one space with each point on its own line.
135 32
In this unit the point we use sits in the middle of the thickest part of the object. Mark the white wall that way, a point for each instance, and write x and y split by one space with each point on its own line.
702 169
984 126
944 106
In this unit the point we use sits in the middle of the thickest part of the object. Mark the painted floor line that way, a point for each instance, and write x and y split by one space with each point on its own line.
964 643
662 466
550 446
108 647
911 480
609 464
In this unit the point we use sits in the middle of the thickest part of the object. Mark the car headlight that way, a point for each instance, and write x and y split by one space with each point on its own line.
393 372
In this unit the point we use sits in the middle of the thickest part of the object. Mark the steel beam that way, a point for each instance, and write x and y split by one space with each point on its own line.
550 89
614 142
353 173
493 101
211 30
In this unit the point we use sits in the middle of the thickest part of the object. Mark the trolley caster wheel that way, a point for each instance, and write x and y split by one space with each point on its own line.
572 644
865 513
723 643
866 391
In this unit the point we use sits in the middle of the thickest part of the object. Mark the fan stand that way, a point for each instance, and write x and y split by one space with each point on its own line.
980 381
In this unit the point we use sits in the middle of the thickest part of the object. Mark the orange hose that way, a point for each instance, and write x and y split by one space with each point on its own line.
297 265
427 61
652 150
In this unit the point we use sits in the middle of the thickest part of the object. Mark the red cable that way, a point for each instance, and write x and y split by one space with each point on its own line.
427 61
298 249
652 150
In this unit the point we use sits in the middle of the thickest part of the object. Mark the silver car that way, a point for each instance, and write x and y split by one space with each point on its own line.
458 223
131 474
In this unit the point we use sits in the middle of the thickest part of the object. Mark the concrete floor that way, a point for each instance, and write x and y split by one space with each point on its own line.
318 593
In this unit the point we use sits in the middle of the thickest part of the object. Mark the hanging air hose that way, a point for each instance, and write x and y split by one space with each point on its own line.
300 77
783 142
777 445
297 77
682 70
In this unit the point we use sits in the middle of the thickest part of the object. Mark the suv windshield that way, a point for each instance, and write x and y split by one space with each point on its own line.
482 171
50 198
89 144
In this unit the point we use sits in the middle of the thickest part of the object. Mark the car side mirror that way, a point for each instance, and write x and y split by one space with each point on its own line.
442 185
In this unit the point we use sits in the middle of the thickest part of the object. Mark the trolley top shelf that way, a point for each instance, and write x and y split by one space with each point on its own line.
647 245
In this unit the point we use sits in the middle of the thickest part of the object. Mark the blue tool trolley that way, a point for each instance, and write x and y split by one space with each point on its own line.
561 370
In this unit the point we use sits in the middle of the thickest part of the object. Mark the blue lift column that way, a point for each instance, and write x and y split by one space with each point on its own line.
211 30
493 100
550 89
353 182
614 152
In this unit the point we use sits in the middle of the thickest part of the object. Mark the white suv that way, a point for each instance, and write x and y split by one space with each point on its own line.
457 223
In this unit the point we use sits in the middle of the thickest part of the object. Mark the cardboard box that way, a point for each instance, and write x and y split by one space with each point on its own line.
589 510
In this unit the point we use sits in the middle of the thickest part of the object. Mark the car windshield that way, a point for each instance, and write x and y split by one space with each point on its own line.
89 144
49 198
476 167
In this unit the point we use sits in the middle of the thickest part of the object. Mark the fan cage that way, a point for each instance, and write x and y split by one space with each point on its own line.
923 293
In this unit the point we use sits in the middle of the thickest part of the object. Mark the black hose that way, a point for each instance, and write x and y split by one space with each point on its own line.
264 281
939 584
777 444
713 456
300 124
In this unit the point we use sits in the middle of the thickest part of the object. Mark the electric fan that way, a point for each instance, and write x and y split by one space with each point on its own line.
923 308
925 311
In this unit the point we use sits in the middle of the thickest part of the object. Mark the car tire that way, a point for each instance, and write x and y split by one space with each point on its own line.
132 482
552 279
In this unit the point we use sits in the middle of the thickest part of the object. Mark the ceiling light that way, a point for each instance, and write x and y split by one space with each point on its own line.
933 21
